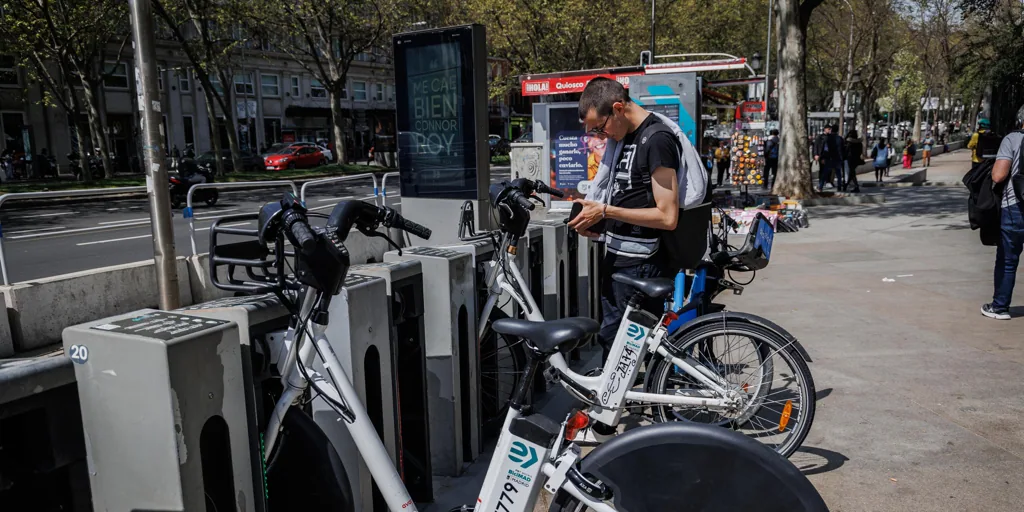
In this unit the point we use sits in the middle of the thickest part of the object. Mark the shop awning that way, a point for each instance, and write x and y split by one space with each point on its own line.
573 81
300 111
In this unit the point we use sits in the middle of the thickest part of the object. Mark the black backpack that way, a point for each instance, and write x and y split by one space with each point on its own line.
988 144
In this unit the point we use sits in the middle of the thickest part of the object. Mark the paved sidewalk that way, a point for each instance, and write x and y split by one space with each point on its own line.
920 398
921 401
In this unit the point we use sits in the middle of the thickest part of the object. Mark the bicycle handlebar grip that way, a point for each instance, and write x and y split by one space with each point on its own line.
407 225
303 236
544 188
524 202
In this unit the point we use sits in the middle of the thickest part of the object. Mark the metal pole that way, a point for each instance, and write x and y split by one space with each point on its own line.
768 59
156 170
653 4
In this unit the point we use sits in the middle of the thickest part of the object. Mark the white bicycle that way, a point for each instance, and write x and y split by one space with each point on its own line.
671 466
727 369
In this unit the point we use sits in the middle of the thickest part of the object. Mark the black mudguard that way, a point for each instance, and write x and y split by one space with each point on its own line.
307 473
735 316
678 467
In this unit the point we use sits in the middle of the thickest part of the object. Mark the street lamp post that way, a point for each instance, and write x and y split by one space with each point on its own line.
768 58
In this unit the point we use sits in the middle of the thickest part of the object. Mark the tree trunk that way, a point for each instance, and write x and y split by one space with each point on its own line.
83 149
211 113
232 129
338 125
93 112
794 173
918 117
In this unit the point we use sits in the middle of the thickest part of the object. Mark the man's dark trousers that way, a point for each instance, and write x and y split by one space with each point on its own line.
1008 252
615 296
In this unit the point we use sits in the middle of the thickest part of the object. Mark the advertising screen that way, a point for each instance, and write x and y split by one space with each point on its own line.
436 139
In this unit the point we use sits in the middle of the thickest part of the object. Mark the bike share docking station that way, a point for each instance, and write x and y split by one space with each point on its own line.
164 412
360 334
405 289
453 378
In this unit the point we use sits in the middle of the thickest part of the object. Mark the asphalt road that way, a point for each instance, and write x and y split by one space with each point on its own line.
60 239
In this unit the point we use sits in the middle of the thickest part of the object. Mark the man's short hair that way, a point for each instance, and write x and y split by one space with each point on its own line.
599 95
774 131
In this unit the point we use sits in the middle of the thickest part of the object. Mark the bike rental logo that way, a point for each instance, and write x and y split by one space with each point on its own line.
522 455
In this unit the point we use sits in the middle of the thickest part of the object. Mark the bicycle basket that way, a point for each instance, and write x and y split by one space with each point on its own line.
245 264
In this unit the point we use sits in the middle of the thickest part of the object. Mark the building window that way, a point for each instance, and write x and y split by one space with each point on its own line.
117 75
363 57
190 134
184 84
160 78
359 91
378 92
295 87
270 85
8 71
316 89
243 84
215 82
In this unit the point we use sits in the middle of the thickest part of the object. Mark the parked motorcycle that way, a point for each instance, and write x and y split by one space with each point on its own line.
191 174
94 163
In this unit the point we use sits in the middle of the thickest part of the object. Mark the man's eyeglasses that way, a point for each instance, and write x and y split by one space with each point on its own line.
599 130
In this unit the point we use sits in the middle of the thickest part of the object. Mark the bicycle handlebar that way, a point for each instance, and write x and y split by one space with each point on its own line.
298 229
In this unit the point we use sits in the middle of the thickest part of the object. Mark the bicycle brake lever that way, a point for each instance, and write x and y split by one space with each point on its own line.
375 233
539 200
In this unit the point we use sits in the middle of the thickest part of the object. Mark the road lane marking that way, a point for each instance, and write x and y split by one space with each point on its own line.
335 199
54 228
44 215
114 240
77 230
232 224
397 202
322 207
122 221
213 215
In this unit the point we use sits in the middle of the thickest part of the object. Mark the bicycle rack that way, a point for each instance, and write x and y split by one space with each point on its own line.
188 212
315 183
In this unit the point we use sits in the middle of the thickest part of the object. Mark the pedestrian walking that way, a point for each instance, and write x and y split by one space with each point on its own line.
909 150
926 150
854 158
771 158
880 155
828 152
1007 170
723 158
984 142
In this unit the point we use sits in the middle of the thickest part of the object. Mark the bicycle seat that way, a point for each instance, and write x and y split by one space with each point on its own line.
551 336
653 287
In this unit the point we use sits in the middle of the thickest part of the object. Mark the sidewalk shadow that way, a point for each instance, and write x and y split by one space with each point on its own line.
1017 311
822 394
933 202
813 461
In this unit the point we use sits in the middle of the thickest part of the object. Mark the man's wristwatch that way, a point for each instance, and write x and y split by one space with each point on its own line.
604 209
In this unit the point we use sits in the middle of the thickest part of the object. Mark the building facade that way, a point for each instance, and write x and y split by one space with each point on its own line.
275 100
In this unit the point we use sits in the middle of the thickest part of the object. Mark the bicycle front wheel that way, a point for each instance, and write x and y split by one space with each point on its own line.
764 371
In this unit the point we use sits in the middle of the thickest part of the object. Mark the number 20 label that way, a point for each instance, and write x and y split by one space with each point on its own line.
79 353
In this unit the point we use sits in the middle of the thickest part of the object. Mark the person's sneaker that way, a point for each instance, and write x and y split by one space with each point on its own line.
998 314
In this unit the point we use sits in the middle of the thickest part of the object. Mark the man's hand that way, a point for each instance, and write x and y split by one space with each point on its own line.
591 214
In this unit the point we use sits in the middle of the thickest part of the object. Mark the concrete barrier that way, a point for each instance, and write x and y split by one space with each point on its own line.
39 310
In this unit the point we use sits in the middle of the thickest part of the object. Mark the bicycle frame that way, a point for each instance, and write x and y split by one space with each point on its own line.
638 333
532 463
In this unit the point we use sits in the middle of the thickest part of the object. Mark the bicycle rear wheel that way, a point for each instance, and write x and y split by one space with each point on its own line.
502 362
762 368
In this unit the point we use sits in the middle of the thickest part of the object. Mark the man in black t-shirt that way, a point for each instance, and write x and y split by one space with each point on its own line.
644 198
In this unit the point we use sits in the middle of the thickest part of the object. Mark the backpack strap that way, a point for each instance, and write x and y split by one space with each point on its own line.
646 136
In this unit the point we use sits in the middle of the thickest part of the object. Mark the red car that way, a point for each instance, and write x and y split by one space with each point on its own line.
294 157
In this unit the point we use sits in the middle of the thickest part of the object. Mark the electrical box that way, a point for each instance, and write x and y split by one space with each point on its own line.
404 281
164 412
556 272
360 334
453 385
